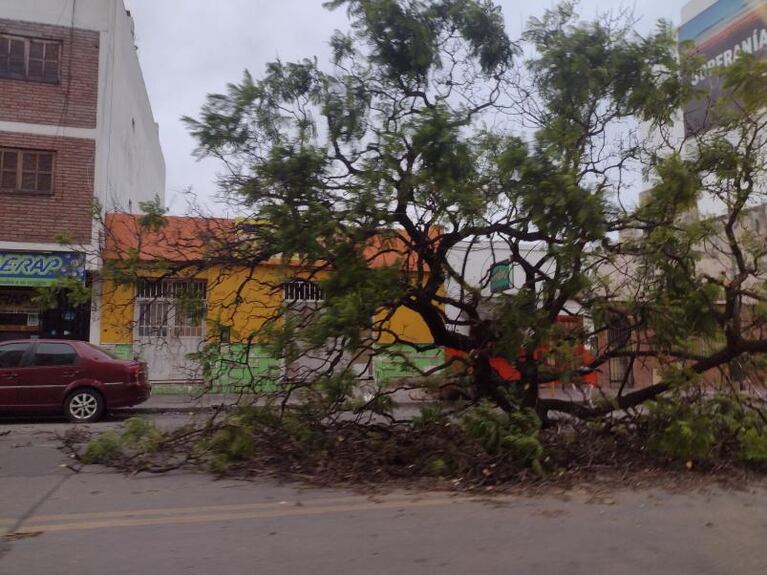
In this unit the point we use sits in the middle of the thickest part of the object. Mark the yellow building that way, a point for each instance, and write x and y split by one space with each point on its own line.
175 288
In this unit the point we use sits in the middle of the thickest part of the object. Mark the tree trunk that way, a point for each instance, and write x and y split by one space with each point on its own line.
487 385
530 382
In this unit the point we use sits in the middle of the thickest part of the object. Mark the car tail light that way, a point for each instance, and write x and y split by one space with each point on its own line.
136 373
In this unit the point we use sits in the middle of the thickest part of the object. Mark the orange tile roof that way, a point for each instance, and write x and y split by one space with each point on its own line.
193 239
180 239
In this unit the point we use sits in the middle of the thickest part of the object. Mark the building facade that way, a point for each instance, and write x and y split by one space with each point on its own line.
76 133
183 295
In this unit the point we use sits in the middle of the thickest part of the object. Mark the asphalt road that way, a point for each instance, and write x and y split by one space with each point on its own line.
96 521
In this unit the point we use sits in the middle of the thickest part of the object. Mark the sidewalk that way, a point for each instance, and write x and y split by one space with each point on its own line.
186 403
193 403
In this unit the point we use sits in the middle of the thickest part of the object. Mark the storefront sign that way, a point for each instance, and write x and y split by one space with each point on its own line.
35 269
500 277
721 33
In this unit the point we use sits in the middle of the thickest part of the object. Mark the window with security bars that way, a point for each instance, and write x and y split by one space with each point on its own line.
302 291
171 307
619 368
26 171
32 59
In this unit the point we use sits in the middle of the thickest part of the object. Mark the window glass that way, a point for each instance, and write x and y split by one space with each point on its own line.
30 59
11 354
28 182
48 354
8 180
36 50
10 160
52 51
45 162
25 170
16 59
5 56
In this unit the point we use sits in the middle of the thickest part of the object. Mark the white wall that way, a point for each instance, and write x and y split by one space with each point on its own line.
474 260
130 167
86 14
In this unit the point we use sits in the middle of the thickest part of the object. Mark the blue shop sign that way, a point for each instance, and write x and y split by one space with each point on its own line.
35 269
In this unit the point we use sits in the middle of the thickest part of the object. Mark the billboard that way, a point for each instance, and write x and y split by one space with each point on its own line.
721 33
39 269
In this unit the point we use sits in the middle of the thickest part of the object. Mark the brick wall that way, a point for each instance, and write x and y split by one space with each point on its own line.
73 101
40 218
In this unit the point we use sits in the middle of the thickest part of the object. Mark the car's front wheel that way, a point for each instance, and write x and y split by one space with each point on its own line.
84 406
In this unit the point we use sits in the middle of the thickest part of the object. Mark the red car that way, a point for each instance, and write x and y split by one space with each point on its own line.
76 376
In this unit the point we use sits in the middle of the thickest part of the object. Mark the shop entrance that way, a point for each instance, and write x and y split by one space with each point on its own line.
21 317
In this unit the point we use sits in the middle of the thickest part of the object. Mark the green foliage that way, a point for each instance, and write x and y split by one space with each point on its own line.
153 214
438 466
689 438
232 443
235 441
105 449
70 289
139 435
708 428
507 435
429 416
404 37
588 73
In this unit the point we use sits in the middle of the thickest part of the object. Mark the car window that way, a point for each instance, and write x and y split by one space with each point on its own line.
47 354
11 354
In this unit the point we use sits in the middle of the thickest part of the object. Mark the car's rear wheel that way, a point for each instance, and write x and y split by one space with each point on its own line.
84 406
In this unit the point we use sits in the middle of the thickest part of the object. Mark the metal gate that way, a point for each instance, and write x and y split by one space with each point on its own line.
170 328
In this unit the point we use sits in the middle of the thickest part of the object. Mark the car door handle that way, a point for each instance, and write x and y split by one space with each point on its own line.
71 373
11 375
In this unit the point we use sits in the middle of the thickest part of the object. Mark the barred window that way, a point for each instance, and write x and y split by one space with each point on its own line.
171 307
172 289
302 290
619 337
29 59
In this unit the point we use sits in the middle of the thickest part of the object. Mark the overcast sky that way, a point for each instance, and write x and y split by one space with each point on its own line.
189 48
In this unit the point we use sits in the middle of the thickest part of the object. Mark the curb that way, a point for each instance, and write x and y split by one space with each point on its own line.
194 409
160 409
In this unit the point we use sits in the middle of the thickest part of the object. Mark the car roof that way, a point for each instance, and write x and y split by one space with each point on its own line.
36 340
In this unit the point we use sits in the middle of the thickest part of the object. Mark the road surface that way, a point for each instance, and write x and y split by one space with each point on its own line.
97 521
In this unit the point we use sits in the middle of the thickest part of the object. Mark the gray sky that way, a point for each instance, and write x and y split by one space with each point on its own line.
189 48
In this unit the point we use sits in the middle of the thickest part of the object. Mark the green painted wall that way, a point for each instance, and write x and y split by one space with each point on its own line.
236 369
401 361
239 368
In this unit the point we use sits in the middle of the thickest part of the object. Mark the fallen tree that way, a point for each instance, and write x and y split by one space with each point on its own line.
430 130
